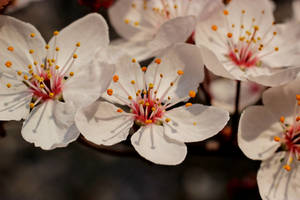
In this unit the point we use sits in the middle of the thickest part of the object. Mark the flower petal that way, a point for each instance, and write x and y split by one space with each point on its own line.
90 31
183 57
16 41
276 183
100 123
49 125
151 143
257 129
195 123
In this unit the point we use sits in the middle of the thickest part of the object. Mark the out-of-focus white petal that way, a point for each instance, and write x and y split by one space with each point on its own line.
257 129
275 183
101 123
195 123
152 144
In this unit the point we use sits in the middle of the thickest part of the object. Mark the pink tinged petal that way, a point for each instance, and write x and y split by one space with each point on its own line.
274 77
48 129
101 123
195 123
275 183
90 31
183 57
15 35
257 129
281 100
86 85
136 49
173 31
152 144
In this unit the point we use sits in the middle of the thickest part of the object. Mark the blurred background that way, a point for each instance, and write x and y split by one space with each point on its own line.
211 171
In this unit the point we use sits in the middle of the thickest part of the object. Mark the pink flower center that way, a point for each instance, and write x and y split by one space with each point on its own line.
243 58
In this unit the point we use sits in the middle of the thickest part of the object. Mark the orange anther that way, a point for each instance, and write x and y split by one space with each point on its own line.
157 61
115 78
276 139
282 119
32 35
180 72
110 92
10 48
148 121
133 60
287 167
298 97
119 110
229 35
214 27
8 64
225 12
188 104
144 69
192 94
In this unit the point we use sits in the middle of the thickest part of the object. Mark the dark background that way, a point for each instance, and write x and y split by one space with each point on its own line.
79 172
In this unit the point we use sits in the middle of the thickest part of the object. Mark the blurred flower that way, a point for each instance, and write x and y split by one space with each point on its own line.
3 3
248 44
296 10
223 94
95 5
44 83
271 133
145 98
18 4
149 26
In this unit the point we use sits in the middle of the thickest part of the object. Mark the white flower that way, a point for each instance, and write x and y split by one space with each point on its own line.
223 94
248 45
150 26
45 83
145 98
271 133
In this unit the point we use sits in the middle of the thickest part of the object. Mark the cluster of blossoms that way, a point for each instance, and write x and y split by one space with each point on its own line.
79 83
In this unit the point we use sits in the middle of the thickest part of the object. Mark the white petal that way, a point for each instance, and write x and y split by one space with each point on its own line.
175 30
195 123
156 147
88 84
296 9
49 125
15 33
275 183
100 123
136 49
223 94
257 128
92 33
183 57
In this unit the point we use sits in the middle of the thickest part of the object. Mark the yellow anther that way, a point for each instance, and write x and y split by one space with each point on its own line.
42 86
78 44
133 60
242 26
8 64
47 46
274 33
188 104
153 109
129 97
242 39
109 92
287 167
144 69
55 33
56 67
192 94
19 73
225 12
167 120
30 71
256 28
49 75
243 11
25 77
147 104
57 49
42 66
41 79
35 63
115 78
31 105
10 48
276 139
141 102
157 60
276 49
258 38
229 35
8 85
127 21
180 72
29 66
71 73
232 25
151 85
148 121
214 27
51 94
75 56
119 110
171 84
175 6
136 23
32 35
282 119
132 82
31 51
194 123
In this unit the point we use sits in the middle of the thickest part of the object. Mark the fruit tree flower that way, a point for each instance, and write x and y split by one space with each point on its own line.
248 44
148 26
144 101
45 83
271 133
